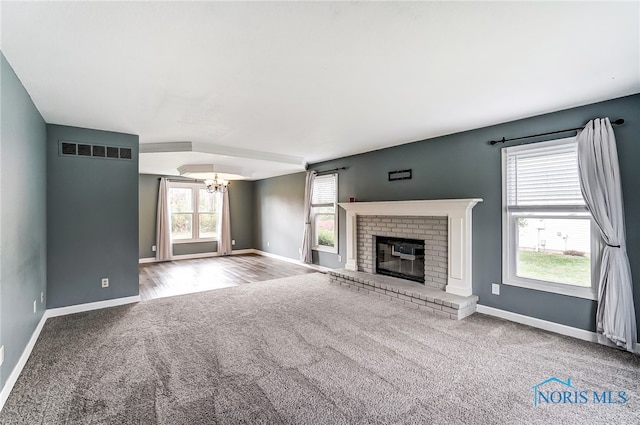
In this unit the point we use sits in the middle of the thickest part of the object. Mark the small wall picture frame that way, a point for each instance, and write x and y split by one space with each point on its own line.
400 175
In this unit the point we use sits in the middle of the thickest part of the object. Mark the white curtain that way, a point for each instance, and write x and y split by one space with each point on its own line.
164 248
305 252
600 183
224 226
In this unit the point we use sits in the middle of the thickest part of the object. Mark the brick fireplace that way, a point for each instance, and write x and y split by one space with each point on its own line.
444 225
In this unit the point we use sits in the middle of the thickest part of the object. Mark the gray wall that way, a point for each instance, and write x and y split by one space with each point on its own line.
279 211
242 211
464 165
23 234
92 219
241 198
147 202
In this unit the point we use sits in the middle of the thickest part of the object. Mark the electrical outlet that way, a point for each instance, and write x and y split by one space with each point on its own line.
267 243
1 355
339 258
153 248
35 306
495 289
105 282
41 297
233 241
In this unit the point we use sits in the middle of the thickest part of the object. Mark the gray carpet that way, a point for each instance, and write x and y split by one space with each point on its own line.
300 350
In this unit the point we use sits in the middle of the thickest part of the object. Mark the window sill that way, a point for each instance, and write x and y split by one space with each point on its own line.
330 250
555 288
181 241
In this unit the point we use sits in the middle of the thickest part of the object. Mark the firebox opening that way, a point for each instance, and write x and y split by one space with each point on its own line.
403 258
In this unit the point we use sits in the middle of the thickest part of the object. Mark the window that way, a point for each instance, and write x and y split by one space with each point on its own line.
323 213
548 234
194 213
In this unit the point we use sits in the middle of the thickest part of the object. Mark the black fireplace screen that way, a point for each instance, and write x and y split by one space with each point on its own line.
403 258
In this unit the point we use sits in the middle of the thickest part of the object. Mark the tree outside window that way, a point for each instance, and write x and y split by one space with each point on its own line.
194 213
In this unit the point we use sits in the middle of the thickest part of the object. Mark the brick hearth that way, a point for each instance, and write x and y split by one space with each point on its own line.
408 293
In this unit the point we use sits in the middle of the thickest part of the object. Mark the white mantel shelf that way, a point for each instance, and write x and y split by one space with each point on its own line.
458 212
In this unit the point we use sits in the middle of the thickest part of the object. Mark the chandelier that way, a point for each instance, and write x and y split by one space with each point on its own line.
216 186
210 175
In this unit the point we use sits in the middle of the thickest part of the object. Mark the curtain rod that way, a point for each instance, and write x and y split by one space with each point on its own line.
619 121
330 171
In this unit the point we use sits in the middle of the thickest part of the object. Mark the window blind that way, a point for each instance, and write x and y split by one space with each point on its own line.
324 190
543 176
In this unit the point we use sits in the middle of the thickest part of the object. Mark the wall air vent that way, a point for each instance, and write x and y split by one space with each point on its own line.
84 150
100 151
68 148
97 151
112 152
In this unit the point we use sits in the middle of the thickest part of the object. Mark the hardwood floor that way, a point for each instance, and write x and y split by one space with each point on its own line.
171 278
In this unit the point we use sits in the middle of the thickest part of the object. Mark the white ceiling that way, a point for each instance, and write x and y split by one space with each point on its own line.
261 83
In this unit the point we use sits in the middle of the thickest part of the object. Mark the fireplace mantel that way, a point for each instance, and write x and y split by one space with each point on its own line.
458 213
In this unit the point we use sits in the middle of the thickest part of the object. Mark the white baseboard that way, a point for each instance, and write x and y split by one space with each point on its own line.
291 260
79 308
194 256
15 373
549 326
243 251
539 323
147 260
198 255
